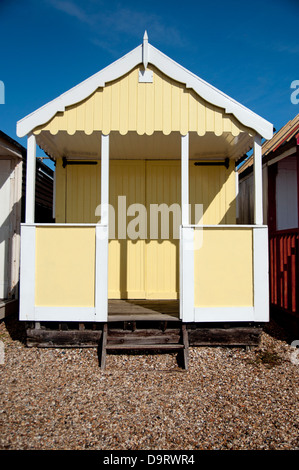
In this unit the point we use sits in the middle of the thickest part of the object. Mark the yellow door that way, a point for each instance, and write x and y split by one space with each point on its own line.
144 268
126 255
162 254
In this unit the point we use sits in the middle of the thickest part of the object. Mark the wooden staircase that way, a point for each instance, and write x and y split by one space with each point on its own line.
130 338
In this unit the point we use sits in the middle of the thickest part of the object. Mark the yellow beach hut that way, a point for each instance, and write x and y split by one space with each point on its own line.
145 206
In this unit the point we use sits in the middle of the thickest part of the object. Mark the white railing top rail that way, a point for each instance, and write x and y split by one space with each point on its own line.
223 226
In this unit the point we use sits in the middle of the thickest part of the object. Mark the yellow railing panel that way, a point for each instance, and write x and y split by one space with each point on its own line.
65 266
223 267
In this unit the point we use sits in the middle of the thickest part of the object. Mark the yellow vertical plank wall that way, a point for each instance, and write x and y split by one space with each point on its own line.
60 196
163 186
125 105
126 256
215 188
83 193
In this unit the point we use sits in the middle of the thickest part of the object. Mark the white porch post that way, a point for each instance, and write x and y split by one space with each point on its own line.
30 180
104 179
186 240
260 241
258 181
185 179
102 236
27 253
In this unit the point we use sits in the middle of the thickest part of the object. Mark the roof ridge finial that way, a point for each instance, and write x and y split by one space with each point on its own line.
145 50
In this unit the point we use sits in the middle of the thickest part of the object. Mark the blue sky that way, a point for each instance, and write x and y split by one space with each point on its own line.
250 51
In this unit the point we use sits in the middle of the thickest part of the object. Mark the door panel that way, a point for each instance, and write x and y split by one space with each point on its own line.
126 256
162 254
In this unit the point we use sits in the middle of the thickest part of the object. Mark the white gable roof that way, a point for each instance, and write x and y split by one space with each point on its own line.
145 54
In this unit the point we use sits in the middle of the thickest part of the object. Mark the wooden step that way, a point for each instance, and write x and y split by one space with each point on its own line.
143 340
144 346
148 336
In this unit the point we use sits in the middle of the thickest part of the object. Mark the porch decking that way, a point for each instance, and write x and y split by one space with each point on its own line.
143 310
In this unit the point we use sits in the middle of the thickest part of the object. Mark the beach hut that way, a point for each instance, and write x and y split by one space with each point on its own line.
145 208
12 213
281 202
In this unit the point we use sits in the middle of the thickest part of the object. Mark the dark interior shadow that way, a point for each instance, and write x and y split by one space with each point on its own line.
15 328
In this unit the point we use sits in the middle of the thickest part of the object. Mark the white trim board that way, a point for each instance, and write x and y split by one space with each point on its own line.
223 314
27 273
226 226
261 275
166 65
74 314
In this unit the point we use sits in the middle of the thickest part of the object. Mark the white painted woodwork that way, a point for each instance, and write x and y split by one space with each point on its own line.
260 274
102 235
146 76
258 182
58 314
27 273
187 274
54 196
30 179
145 50
185 179
101 274
104 179
227 314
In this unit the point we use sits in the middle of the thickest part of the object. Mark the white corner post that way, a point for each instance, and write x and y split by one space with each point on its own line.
104 179
186 240
30 179
260 241
185 179
102 235
27 254
258 180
